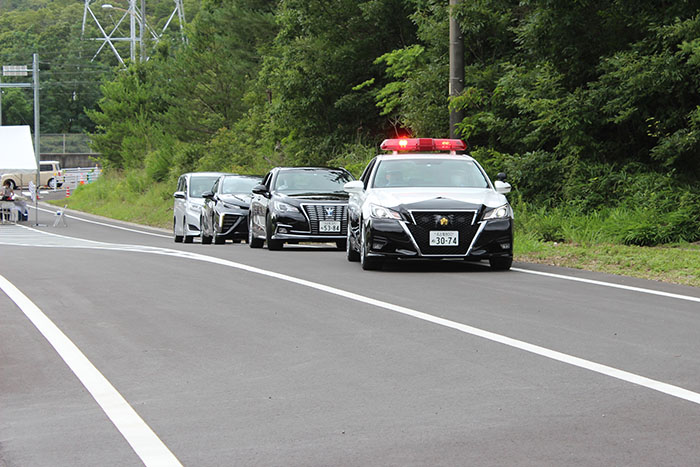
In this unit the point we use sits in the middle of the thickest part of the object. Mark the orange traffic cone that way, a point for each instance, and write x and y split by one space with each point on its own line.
67 191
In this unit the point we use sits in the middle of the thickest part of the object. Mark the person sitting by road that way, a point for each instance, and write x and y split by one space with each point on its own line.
7 191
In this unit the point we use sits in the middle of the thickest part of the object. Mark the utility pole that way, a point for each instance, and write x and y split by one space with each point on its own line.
456 66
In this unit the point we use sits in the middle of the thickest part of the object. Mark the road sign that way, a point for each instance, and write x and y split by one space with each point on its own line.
15 70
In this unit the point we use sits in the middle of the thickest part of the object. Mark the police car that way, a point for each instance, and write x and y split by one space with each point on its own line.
424 200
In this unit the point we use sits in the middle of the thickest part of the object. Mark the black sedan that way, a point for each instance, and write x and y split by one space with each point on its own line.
225 209
299 204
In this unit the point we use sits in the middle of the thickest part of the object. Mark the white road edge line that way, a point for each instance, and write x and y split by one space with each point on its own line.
609 284
137 433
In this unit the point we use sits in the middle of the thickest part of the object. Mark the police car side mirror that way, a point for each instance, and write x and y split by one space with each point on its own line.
356 186
208 195
502 187
179 195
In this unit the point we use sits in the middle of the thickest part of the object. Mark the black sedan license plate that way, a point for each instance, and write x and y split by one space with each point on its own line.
329 226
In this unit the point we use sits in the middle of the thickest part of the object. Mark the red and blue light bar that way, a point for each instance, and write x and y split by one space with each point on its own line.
423 144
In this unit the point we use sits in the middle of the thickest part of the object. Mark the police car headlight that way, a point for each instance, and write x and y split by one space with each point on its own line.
279 206
380 212
501 212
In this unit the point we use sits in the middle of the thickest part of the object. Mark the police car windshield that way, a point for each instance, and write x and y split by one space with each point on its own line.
198 185
443 173
237 185
311 181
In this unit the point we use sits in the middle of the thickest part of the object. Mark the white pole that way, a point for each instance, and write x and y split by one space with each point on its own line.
37 153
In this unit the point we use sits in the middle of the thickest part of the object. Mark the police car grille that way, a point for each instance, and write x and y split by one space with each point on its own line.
426 221
320 212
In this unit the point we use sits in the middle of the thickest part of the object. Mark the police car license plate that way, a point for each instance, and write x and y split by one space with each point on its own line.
444 238
329 226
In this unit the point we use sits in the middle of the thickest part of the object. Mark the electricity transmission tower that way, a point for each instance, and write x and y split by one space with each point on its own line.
138 26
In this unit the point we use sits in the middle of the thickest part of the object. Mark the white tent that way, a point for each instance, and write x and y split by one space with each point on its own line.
16 150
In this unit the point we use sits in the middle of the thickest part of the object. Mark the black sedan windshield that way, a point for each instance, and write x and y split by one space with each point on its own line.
429 173
312 181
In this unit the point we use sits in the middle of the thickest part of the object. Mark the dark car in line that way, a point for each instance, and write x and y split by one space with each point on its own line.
225 210
299 204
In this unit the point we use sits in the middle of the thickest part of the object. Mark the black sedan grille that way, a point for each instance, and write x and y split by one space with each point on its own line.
327 212
427 221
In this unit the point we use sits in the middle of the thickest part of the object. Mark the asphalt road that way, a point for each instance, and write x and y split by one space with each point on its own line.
224 355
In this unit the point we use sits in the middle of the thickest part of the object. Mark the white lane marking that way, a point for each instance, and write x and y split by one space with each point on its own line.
609 284
622 375
104 224
137 433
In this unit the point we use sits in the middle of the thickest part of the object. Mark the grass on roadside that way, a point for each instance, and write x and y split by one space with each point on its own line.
679 264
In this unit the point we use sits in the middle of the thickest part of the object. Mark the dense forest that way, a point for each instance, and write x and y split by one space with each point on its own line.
591 107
